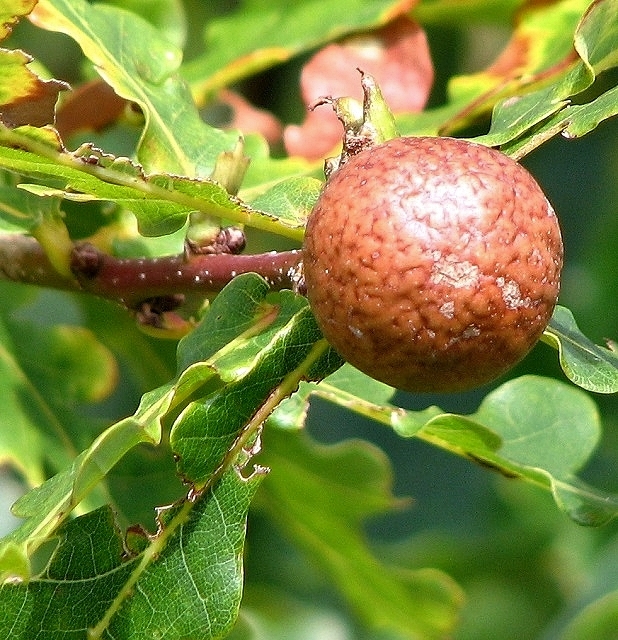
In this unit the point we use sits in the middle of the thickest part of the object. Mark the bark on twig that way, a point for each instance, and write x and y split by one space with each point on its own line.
131 281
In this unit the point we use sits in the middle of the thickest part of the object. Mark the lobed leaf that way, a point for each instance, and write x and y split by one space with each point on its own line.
586 364
555 53
542 423
160 202
260 369
548 109
347 387
282 30
251 358
142 66
241 363
538 54
533 428
48 505
186 581
320 495
543 432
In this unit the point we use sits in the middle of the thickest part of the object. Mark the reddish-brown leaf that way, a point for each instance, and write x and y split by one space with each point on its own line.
24 97
90 107
248 118
398 57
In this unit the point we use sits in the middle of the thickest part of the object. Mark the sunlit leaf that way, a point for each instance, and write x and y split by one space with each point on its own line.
594 40
161 202
262 369
11 11
196 556
529 85
586 364
256 355
48 505
261 355
290 200
142 65
281 30
24 97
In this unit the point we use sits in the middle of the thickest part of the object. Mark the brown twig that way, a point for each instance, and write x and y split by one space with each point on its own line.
131 281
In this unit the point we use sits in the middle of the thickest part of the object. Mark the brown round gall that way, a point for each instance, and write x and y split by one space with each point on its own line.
432 264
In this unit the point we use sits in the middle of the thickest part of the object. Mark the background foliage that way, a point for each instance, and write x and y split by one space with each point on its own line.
101 420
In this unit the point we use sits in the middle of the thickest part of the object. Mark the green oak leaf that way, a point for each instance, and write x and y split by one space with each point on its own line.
537 429
522 123
532 91
160 202
255 370
189 575
586 364
260 353
279 32
319 495
141 65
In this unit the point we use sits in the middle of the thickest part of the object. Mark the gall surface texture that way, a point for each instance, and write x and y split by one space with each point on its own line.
432 264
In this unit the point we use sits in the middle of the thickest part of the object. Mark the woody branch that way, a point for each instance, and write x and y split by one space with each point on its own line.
131 281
